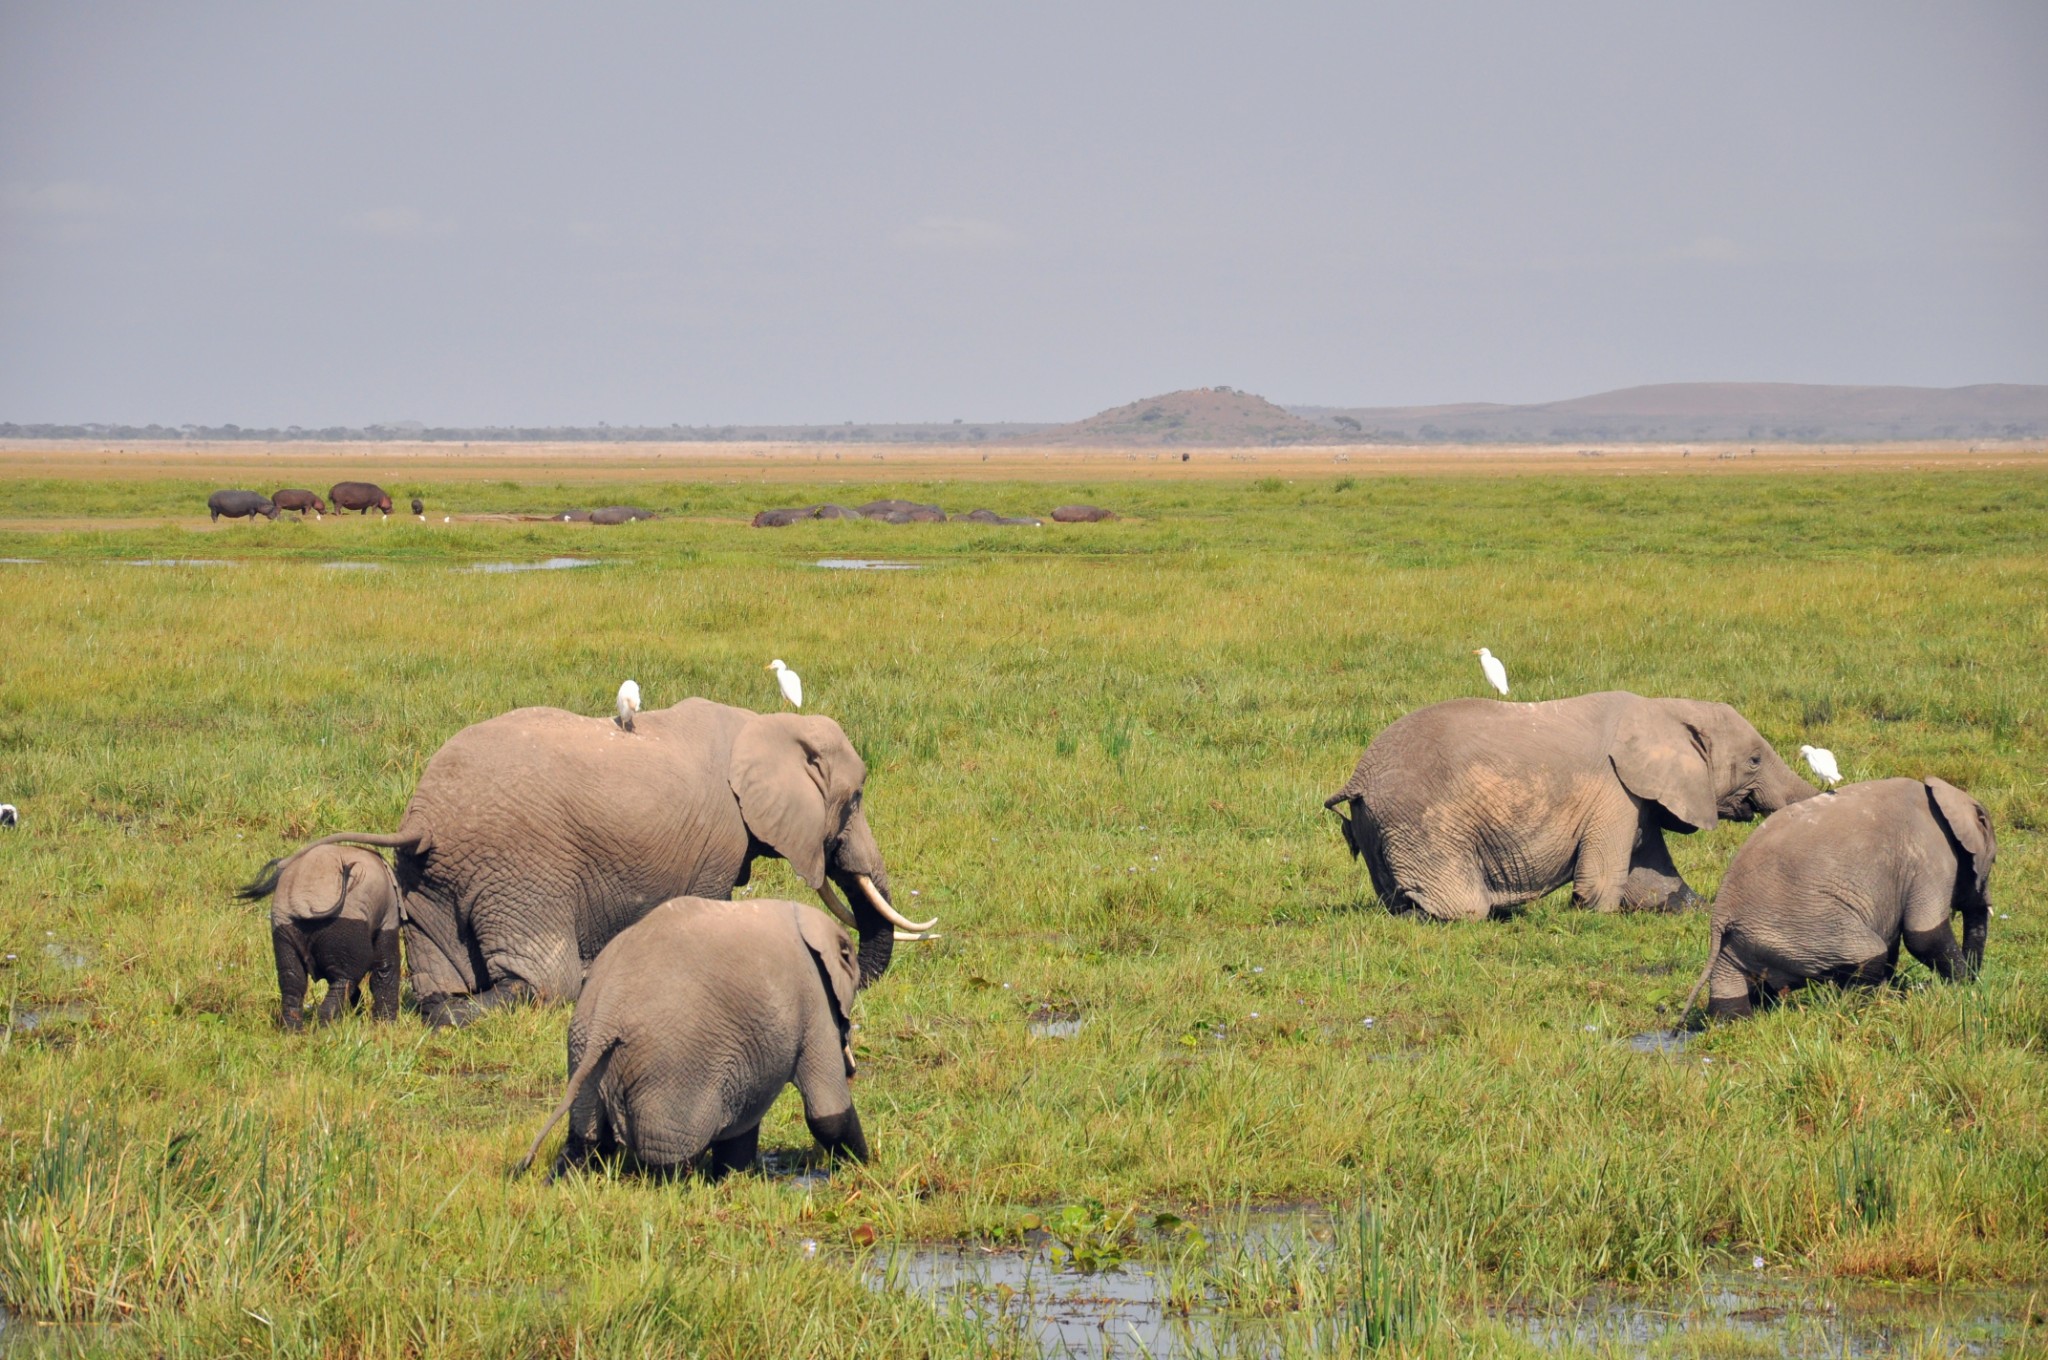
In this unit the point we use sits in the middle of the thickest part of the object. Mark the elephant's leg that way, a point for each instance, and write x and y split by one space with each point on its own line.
736 1153
453 1012
343 949
1601 871
1728 987
294 960
384 976
1653 881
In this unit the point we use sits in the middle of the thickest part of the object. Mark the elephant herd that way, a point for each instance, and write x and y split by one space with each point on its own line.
548 856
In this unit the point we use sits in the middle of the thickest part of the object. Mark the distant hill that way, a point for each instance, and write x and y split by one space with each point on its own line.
1199 415
1676 412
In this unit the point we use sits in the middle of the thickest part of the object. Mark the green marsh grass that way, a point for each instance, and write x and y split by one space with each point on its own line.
1098 753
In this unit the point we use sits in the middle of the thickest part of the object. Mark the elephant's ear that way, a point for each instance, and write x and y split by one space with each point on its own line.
796 777
1970 824
832 949
1663 759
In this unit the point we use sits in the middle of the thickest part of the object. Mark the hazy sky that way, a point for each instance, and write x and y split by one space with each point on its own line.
516 213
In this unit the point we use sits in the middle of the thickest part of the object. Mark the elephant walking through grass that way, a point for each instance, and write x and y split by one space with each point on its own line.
334 918
692 1022
1828 890
1471 807
535 837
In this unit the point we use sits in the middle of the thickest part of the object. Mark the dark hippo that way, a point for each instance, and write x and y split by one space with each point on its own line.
903 512
1081 514
991 517
830 511
301 501
362 497
240 505
574 517
619 514
784 517
419 507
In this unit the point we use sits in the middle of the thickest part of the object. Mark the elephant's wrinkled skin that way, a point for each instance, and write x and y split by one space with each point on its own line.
535 837
1827 891
691 1023
1466 808
333 916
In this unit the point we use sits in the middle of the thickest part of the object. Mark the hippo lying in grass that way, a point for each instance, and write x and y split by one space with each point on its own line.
619 514
1081 514
240 505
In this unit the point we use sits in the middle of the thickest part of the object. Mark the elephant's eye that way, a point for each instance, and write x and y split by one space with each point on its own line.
1756 760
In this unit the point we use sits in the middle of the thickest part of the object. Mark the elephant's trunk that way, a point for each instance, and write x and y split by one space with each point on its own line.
1976 923
1781 787
877 934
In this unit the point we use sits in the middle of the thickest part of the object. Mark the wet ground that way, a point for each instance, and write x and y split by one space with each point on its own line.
1131 1311
552 564
863 564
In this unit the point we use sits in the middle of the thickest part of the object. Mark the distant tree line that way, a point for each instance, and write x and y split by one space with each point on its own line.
934 433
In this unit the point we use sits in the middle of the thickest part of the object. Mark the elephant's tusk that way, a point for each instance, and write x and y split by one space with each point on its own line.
889 913
835 906
910 937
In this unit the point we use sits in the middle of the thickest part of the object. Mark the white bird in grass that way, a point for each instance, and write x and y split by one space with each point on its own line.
629 703
1822 763
792 684
1496 674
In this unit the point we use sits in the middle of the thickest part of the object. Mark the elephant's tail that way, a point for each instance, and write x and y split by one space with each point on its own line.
1714 940
1362 833
265 882
592 1061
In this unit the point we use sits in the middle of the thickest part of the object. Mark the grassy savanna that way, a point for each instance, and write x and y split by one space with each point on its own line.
1099 753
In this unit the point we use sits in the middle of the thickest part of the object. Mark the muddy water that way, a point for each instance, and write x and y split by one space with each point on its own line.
1128 1312
863 564
29 1021
552 564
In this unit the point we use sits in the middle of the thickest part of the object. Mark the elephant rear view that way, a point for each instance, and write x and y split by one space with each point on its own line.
692 1022
1828 890
334 917
535 837
1470 807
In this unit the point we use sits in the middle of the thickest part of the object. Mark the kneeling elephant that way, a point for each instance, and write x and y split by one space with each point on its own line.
1470 807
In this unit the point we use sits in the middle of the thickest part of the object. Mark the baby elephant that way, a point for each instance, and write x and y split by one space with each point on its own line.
1826 889
691 1022
333 916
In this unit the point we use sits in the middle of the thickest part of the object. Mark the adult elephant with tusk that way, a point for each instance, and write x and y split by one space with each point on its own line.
535 837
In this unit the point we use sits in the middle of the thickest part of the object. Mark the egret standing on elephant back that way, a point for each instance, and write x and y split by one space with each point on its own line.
1496 674
791 684
535 837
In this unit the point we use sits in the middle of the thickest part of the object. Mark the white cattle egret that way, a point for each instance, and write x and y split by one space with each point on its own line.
1496 674
1822 763
8 816
792 683
629 704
